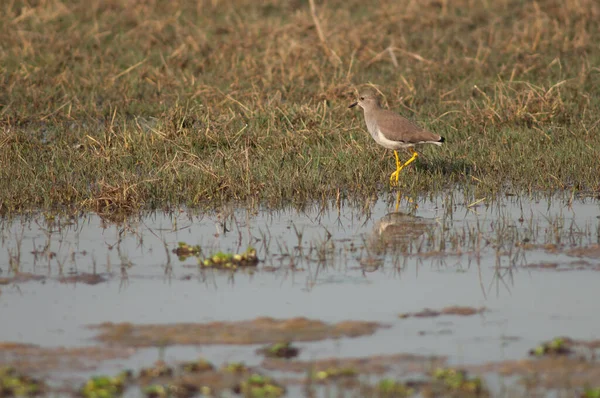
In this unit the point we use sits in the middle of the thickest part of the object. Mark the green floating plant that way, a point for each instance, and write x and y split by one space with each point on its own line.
230 261
589 392
235 367
389 387
259 386
174 390
106 386
334 373
457 380
279 350
556 346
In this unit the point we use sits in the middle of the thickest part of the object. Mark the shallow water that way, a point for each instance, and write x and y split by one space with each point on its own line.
332 265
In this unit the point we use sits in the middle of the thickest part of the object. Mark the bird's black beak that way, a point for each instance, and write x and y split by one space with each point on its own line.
353 105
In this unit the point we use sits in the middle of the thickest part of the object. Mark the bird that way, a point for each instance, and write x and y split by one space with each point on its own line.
393 131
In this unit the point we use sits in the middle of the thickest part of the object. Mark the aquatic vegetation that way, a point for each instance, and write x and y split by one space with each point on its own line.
183 251
393 388
156 391
259 386
334 373
15 384
200 365
159 369
557 346
279 350
456 381
173 390
590 392
106 386
235 367
230 261
374 364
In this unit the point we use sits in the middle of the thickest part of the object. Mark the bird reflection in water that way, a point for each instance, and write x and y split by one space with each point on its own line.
396 232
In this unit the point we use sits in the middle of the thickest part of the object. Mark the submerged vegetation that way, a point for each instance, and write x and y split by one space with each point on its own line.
16 384
120 106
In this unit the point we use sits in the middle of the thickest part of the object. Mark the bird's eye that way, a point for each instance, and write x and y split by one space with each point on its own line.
362 98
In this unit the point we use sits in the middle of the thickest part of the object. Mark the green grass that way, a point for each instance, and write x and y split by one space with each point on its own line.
128 105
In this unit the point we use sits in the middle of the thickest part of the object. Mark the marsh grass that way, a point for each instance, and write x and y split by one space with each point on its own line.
121 105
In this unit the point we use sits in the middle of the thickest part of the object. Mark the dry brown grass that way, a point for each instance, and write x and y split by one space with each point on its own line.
124 105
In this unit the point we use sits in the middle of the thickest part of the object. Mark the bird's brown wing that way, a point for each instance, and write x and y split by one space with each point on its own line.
396 128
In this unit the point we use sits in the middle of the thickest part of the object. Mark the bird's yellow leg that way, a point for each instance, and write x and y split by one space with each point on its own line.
414 156
398 197
397 160
396 174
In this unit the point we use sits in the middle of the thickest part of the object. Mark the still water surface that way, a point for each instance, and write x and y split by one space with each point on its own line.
332 265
